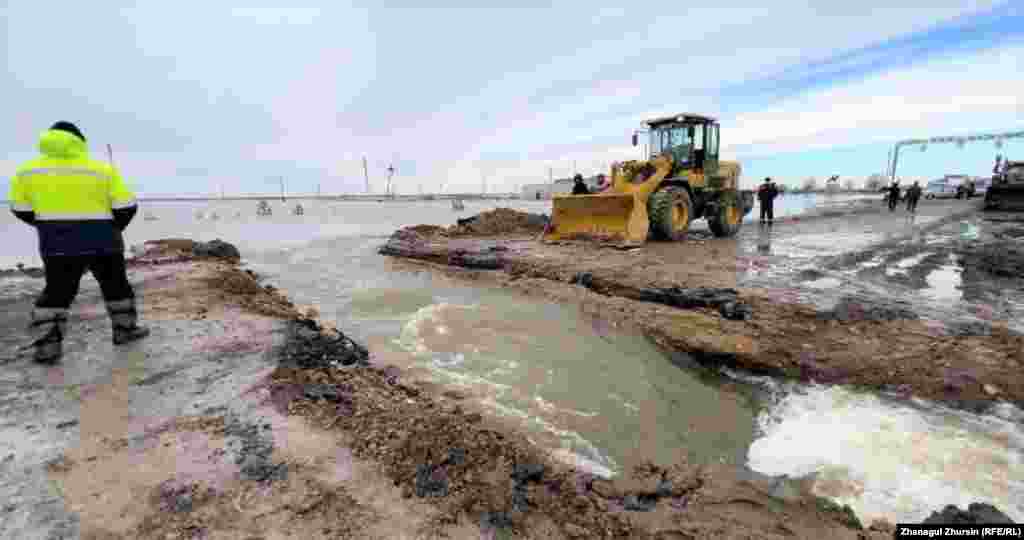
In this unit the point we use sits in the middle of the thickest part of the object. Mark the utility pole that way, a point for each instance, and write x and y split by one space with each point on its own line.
366 174
391 173
281 178
318 190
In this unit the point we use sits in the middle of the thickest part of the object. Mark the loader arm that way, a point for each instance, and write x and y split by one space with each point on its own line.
617 216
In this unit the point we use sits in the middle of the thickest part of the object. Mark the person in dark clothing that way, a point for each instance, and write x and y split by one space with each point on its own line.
913 195
79 208
766 196
578 187
894 195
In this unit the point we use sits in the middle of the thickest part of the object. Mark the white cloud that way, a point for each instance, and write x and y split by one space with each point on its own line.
975 93
444 87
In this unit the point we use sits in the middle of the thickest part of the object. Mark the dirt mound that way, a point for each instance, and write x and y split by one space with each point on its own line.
500 221
243 288
976 514
999 259
428 230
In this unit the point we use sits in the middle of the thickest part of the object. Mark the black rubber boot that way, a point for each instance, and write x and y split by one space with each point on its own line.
129 334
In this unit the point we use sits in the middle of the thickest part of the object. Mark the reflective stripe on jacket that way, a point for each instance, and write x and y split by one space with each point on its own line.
73 197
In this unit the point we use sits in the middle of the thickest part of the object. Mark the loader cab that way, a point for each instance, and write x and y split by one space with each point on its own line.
691 139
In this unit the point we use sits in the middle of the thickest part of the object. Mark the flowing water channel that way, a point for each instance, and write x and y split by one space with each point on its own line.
594 395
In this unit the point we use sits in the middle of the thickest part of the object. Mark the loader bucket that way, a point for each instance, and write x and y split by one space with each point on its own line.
615 218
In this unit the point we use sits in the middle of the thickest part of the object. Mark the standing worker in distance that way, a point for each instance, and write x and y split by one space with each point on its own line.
894 195
578 186
766 194
913 195
79 207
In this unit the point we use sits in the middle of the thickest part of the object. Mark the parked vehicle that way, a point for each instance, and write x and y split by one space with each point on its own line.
1007 189
950 187
981 186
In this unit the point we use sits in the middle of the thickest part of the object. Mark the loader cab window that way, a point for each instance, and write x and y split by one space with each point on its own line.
699 152
712 149
679 140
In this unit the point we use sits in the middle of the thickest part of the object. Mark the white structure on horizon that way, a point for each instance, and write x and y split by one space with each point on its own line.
561 186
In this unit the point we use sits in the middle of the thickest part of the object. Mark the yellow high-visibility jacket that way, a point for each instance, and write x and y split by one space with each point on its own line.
80 206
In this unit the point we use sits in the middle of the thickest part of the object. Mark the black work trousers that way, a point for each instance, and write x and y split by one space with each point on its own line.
63 278
912 204
767 210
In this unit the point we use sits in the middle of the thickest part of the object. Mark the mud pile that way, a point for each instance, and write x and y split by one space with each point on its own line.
976 514
500 221
996 259
180 249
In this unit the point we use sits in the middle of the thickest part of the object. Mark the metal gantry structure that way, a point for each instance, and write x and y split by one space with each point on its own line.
959 140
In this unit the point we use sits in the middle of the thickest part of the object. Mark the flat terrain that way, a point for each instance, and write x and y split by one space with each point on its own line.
245 417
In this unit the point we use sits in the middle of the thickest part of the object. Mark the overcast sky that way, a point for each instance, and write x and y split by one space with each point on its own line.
193 96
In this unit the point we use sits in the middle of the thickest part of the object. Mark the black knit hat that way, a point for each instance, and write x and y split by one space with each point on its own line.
70 128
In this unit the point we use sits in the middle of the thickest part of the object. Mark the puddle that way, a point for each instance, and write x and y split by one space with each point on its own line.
823 283
944 282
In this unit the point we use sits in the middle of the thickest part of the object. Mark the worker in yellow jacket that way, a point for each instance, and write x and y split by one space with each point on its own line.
79 207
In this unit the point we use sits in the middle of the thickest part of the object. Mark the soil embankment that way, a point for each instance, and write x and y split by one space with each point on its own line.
244 416
873 342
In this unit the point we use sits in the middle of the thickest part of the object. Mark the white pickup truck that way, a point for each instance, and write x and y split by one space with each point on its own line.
950 187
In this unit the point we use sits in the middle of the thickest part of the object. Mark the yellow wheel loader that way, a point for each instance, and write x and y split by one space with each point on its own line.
682 180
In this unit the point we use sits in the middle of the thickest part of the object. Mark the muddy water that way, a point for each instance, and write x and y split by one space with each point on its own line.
885 457
592 394
894 459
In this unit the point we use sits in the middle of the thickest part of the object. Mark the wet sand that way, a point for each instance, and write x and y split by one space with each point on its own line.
240 419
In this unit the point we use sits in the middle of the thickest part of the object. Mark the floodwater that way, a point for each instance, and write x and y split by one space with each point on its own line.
891 459
593 395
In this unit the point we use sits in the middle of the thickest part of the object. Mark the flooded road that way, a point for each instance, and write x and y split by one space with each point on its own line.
601 398
583 388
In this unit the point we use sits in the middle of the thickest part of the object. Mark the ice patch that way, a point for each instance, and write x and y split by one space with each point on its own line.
823 283
944 282
902 265
897 461
448 361
873 263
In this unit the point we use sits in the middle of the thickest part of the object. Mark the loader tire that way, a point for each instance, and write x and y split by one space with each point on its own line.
670 211
727 220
